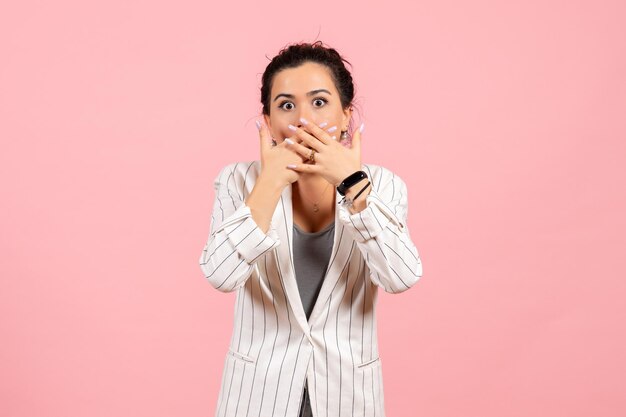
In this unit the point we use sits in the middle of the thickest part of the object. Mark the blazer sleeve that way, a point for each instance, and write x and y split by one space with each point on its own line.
382 236
235 241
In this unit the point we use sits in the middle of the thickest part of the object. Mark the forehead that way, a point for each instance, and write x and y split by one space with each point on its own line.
300 80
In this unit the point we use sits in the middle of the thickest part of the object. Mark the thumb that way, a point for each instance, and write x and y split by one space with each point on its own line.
356 138
264 135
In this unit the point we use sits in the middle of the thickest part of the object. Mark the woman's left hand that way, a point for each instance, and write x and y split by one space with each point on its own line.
333 161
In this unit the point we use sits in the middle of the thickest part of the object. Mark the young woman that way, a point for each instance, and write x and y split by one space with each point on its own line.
306 236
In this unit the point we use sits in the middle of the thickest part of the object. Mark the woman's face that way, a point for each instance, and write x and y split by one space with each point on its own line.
306 91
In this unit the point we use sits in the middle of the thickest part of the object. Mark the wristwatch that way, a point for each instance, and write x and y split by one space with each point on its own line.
350 181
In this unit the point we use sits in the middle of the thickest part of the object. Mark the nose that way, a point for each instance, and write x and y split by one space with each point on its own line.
305 114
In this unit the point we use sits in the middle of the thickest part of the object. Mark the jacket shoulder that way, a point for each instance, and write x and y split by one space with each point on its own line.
240 170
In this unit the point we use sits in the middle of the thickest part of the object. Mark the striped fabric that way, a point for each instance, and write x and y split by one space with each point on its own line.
274 348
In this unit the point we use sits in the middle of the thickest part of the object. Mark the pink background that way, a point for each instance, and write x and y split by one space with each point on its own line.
505 119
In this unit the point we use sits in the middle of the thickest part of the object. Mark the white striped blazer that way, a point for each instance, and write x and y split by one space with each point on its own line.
274 348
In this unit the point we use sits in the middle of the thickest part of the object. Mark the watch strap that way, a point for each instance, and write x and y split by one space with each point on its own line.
350 181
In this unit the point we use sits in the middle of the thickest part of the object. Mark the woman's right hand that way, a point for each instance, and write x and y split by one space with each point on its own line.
274 159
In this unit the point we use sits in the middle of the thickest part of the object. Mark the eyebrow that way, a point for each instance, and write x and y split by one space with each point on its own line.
310 93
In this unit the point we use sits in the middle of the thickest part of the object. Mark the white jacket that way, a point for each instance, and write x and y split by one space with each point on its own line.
273 347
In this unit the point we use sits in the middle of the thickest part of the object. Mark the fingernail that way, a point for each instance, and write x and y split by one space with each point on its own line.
362 128
289 141
333 137
332 129
304 121
258 124
323 124
292 127
291 166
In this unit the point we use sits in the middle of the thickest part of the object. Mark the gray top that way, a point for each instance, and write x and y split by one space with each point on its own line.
311 254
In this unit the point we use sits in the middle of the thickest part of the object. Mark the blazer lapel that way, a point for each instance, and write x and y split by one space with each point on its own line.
343 247
338 257
282 221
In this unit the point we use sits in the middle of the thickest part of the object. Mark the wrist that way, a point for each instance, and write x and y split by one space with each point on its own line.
271 182
354 190
355 200
357 197
345 174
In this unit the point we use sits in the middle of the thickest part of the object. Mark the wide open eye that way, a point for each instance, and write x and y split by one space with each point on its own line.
319 99
282 105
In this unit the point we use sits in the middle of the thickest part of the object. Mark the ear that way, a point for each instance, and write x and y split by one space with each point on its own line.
347 113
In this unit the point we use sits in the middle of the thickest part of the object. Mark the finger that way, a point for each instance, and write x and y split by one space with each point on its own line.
314 135
295 139
308 168
298 148
356 138
306 138
265 136
319 133
303 158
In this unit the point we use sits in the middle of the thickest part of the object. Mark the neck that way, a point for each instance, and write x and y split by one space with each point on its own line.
314 188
